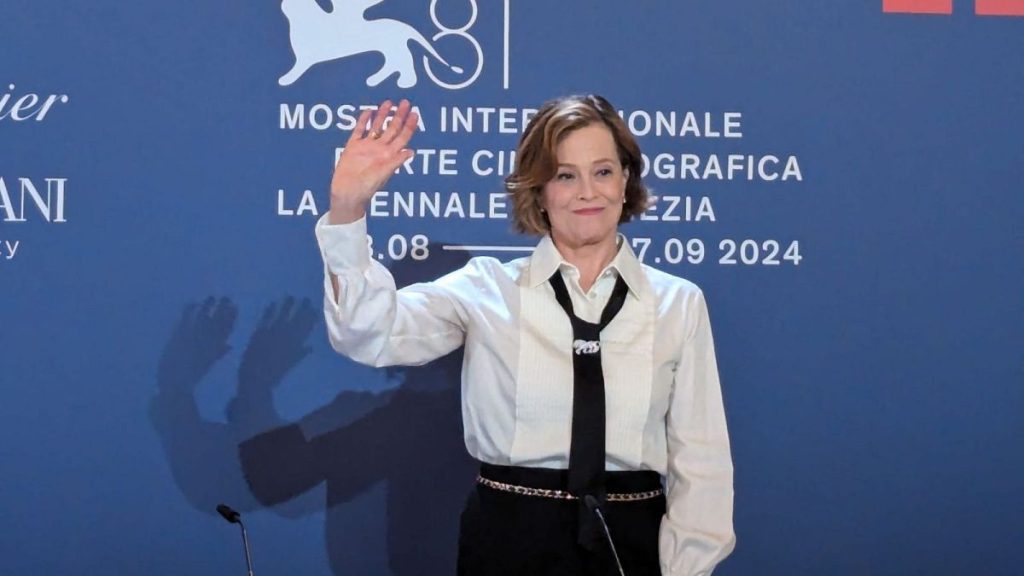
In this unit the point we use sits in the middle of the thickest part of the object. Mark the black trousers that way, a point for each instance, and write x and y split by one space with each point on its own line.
506 534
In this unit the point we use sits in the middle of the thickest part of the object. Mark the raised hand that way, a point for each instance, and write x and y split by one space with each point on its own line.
369 159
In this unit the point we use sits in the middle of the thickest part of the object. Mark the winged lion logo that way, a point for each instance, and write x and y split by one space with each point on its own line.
319 36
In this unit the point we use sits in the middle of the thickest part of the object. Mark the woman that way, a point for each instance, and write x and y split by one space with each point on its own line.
589 380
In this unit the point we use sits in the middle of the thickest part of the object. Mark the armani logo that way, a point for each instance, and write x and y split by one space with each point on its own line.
29 199
586 346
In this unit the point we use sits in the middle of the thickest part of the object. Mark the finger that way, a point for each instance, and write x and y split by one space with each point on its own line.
208 306
405 134
400 158
360 129
378 120
286 309
396 123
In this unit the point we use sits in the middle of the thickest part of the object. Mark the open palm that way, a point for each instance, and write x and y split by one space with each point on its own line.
370 158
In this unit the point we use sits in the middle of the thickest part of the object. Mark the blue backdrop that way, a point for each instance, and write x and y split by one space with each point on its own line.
843 181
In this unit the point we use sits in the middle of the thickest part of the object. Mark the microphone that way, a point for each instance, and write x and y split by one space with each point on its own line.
229 513
594 506
234 517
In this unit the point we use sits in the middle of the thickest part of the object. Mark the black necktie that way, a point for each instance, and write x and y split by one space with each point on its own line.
587 449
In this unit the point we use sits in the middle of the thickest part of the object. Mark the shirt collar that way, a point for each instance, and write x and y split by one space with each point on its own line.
547 259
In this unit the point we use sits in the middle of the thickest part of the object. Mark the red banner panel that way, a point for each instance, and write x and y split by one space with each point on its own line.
918 6
999 7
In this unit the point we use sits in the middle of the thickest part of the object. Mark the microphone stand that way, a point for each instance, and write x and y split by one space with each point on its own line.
245 543
595 507
235 518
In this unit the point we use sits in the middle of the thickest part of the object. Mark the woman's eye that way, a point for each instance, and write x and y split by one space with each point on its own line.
604 172
564 176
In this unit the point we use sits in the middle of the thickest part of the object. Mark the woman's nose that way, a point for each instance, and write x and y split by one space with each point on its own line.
586 189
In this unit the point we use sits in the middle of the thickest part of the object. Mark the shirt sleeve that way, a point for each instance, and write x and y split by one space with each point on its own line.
373 323
697 531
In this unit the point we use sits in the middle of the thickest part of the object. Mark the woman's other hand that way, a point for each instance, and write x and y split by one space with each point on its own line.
369 159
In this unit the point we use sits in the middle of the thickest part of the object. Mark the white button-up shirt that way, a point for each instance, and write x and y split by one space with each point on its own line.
663 399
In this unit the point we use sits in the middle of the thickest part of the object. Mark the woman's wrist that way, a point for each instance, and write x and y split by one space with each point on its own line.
342 212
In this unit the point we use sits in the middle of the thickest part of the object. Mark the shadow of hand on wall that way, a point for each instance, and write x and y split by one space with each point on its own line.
411 438
203 454
414 442
200 452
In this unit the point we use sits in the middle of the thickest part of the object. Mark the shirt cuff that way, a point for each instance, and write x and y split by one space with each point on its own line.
343 246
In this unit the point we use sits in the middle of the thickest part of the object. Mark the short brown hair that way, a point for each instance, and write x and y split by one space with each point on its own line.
537 161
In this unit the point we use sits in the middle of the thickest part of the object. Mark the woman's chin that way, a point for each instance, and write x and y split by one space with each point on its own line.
586 239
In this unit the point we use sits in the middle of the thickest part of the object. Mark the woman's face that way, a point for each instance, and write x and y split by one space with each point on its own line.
584 199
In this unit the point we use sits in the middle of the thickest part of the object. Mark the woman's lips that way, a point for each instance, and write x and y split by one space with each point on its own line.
588 211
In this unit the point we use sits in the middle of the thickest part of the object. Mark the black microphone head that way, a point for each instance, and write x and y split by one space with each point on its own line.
228 513
591 502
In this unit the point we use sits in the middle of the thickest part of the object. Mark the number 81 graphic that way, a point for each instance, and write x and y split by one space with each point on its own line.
463 33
